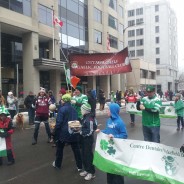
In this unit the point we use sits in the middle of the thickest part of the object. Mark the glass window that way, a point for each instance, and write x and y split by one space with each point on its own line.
113 41
131 23
156 8
139 11
62 3
121 12
157 61
45 15
157 50
131 13
113 4
97 15
140 52
139 21
72 6
132 53
4 3
157 40
16 5
158 72
112 22
157 18
131 43
139 32
20 6
131 33
139 42
97 37
157 29
72 31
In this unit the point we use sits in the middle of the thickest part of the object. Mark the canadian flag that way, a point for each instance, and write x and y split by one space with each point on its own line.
56 21
108 43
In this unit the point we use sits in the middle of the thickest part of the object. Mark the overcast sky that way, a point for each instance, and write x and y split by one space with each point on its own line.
179 10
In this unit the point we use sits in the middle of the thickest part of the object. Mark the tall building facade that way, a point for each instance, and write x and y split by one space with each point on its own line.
33 51
152 36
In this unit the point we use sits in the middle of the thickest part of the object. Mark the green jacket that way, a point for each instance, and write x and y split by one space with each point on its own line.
80 100
150 116
179 108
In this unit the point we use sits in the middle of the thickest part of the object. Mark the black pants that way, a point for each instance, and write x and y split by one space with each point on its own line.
132 118
76 151
38 120
180 119
87 153
114 179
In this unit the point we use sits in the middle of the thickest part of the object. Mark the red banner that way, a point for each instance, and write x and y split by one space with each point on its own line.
100 63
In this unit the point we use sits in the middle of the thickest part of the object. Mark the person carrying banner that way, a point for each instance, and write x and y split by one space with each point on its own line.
87 138
115 128
179 109
150 106
6 130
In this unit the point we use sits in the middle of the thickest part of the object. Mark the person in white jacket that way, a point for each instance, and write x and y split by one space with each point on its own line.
12 104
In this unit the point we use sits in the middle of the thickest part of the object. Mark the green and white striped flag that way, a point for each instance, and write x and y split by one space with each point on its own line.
139 159
3 152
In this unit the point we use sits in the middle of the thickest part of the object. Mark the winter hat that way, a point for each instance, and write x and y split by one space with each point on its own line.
86 108
10 93
79 88
178 95
3 110
62 91
42 90
66 98
150 88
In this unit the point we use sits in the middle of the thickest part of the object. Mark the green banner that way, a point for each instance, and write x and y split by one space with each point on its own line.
139 159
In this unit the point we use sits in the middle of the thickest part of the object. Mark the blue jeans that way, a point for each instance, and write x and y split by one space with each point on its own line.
31 114
151 134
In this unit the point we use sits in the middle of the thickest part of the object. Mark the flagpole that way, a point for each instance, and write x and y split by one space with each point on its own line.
53 34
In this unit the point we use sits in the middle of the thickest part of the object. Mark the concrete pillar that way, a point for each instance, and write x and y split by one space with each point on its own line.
105 85
31 77
115 82
92 82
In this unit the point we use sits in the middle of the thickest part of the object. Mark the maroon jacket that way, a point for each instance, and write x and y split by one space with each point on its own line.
42 106
7 126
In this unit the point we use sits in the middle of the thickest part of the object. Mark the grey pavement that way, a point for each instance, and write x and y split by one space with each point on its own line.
33 163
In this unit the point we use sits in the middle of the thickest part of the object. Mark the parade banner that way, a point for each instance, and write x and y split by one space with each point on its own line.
166 111
139 159
100 63
3 152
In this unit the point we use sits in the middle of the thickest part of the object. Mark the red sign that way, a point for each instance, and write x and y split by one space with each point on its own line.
100 63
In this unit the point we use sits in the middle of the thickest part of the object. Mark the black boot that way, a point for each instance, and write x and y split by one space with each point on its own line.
1 161
34 141
11 159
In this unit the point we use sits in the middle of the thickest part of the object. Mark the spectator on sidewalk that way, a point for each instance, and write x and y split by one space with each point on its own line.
12 104
29 103
101 99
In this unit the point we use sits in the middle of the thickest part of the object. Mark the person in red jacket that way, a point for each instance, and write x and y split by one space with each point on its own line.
42 115
6 130
131 98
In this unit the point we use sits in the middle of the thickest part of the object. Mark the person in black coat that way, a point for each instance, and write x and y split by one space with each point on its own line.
62 136
101 99
29 103
92 101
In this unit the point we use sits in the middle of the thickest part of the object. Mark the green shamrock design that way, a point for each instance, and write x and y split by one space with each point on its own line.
111 151
169 110
103 144
107 147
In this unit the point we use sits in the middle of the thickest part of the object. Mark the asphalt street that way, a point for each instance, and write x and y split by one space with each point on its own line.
33 163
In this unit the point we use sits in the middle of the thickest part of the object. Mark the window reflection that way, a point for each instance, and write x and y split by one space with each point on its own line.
45 15
20 6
